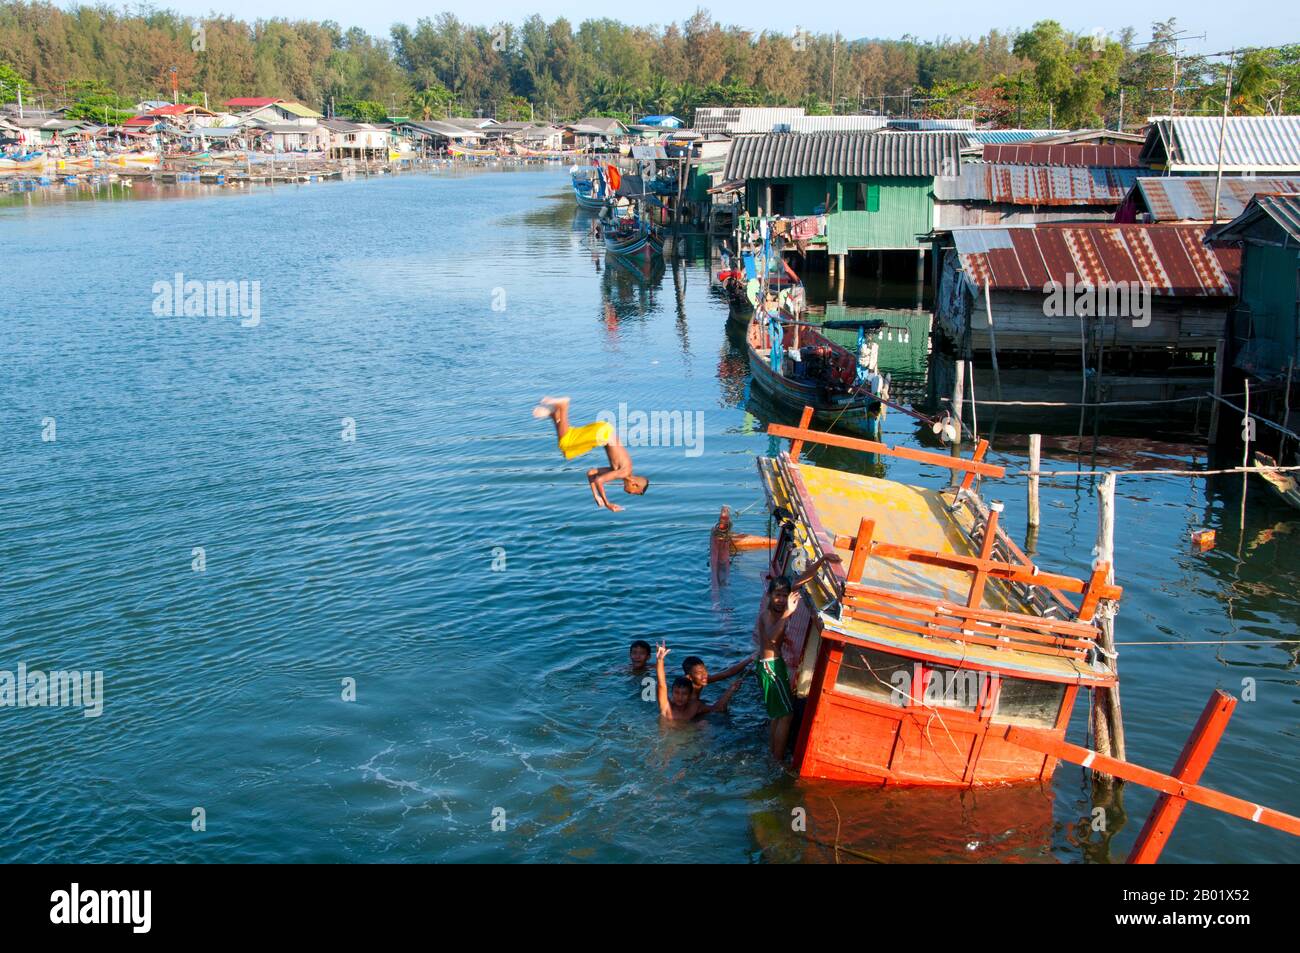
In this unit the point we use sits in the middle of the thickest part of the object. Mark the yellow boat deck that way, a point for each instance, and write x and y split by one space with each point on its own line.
919 518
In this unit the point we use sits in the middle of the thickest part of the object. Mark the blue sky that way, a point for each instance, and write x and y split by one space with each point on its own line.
1268 23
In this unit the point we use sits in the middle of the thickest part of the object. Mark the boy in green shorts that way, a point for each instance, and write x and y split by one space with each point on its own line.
773 676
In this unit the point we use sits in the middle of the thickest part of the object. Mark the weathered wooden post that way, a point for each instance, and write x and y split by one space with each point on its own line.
1107 718
1035 456
1220 349
958 397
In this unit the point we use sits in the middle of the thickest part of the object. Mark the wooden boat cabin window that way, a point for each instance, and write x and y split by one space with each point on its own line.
875 675
1028 703
943 687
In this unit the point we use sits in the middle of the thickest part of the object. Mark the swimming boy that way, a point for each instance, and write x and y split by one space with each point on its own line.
678 703
575 441
769 631
694 668
638 654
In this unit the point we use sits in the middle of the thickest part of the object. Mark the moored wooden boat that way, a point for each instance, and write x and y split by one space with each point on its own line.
935 633
632 237
588 187
1283 484
808 369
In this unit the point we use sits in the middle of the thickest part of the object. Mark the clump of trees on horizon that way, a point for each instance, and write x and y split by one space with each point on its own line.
102 61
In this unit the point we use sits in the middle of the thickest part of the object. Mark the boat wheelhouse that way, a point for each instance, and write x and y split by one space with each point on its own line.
921 653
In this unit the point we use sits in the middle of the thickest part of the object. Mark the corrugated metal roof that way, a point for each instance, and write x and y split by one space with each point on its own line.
797 155
1036 185
837 123
1250 143
298 109
1172 259
1075 154
741 120
931 125
1004 136
435 127
1178 199
1283 209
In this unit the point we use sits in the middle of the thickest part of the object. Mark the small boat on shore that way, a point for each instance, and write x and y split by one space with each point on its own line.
26 162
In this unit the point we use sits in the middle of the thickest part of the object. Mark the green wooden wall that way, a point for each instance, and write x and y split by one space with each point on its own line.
895 212
1269 283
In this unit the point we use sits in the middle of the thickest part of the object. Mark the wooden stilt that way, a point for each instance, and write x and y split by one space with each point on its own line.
1035 459
1107 717
958 397
1220 349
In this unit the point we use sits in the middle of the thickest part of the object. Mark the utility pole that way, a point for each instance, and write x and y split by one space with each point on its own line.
1119 127
1223 128
835 40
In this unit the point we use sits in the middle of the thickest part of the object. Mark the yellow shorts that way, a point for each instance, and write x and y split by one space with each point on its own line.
580 440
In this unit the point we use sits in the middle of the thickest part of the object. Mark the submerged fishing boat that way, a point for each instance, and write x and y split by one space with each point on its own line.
632 236
588 186
935 637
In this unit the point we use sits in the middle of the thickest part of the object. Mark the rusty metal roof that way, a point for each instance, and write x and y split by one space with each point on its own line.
1191 199
1284 210
1069 154
1036 185
1172 259
844 154
1250 143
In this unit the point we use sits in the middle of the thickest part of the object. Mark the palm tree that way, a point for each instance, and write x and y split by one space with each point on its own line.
661 95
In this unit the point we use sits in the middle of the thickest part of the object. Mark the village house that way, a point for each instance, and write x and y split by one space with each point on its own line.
1169 198
280 113
1142 307
1263 334
355 140
434 136
537 136
594 132
1019 183
178 115
846 192
1252 145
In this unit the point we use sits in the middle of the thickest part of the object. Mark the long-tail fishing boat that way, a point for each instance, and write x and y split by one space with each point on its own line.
588 186
934 633
793 362
631 236
27 162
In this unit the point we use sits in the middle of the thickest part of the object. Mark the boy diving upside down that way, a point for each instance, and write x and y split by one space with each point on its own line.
575 441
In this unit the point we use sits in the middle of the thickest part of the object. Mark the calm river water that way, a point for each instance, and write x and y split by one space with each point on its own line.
449 562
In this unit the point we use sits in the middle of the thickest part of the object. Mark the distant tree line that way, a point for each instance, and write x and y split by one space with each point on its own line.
104 60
